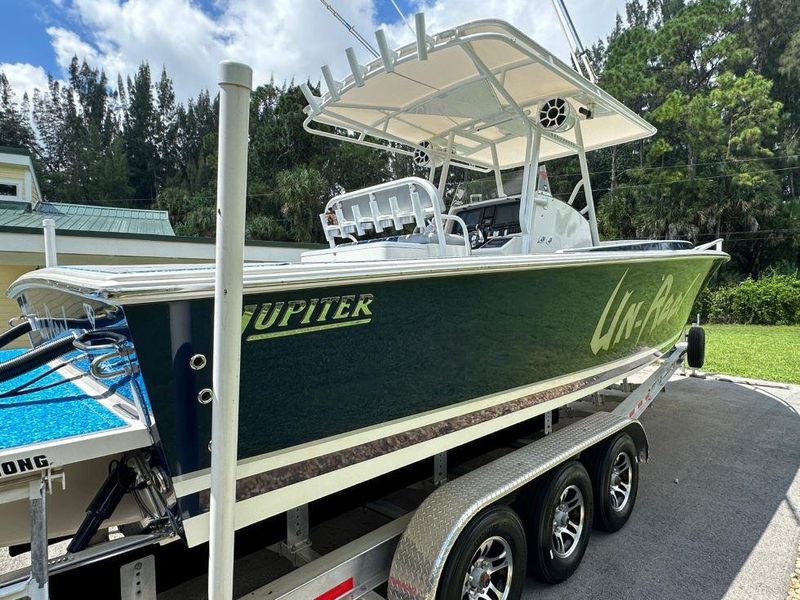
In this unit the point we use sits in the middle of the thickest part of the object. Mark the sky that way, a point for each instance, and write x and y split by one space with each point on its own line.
284 39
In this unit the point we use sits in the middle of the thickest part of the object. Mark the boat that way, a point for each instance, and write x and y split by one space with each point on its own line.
419 328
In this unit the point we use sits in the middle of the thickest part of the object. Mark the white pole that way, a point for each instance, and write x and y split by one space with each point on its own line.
50 254
235 82
587 184
530 178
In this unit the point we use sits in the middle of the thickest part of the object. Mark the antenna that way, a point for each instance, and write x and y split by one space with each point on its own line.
351 29
578 54
402 16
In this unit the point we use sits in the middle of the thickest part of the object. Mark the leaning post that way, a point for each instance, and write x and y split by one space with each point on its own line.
235 83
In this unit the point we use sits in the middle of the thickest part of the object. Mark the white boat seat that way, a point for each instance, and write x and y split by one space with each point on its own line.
388 205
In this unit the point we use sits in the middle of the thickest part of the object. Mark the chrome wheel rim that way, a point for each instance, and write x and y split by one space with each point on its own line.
620 481
489 572
568 522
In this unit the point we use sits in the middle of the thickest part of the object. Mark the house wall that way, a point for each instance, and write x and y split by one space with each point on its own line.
21 252
16 175
9 308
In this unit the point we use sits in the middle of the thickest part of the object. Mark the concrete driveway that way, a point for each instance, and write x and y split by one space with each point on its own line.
718 511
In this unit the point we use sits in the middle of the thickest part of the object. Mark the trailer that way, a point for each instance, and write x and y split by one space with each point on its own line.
526 502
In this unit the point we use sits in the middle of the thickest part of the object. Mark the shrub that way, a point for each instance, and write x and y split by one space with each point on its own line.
771 300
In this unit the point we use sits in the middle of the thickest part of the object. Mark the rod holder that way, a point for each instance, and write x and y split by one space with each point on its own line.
388 56
313 101
331 83
357 70
422 39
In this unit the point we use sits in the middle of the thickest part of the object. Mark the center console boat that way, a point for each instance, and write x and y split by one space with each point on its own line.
420 327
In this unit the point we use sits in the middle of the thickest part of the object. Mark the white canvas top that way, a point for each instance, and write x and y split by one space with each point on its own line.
464 88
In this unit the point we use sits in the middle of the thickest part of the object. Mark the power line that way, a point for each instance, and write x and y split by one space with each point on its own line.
702 164
687 180
551 176
757 231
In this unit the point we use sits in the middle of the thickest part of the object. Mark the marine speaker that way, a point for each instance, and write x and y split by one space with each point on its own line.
422 158
556 114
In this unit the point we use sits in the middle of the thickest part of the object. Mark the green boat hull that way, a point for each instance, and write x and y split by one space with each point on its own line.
322 362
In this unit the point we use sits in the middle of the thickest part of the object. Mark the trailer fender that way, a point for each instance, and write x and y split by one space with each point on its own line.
639 436
436 525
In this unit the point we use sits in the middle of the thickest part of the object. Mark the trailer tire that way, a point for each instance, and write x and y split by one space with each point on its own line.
696 347
497 533
615 461
559 510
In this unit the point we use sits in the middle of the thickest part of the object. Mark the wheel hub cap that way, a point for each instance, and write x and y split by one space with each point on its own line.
620 481
489 574
568 522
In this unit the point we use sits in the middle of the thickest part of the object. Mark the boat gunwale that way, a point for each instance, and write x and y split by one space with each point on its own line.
276 277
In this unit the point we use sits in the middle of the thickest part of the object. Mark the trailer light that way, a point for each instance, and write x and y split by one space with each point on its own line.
335 592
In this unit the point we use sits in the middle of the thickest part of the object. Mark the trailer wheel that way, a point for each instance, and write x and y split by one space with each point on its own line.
488 559
615 479
696 347
559 522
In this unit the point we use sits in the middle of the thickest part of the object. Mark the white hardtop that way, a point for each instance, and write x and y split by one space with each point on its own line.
476 89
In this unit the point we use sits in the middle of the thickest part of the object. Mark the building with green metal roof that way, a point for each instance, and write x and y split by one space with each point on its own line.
83 217
88 234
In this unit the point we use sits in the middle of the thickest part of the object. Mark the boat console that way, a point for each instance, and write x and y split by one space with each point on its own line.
363 218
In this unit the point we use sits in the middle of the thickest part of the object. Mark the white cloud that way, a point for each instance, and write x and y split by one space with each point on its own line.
67 44
281 38
594 19
24 78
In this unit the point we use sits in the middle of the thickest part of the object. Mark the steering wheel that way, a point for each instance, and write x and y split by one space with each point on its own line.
477 237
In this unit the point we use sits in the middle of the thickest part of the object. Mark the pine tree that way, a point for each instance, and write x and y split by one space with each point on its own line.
139 135
166 131
15 127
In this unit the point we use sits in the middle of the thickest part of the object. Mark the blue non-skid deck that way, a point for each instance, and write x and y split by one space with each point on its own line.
49 409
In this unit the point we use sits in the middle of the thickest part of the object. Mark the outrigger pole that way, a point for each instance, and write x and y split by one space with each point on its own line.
235 83
578 53
351 29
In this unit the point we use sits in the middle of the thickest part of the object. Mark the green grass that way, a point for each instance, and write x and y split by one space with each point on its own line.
755 351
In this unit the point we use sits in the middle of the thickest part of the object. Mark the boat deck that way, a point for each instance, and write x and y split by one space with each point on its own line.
61 411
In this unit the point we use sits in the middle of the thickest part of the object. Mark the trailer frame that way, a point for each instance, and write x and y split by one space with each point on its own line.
410 552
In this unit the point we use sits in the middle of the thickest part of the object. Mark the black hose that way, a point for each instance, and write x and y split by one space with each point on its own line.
41 355
16 331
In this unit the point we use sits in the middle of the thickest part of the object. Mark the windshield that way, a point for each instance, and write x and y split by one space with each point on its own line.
485 188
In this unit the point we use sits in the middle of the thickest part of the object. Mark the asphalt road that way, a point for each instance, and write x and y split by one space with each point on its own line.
718 511
717 516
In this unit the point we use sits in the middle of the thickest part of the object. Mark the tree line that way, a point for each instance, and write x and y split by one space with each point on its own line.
720 79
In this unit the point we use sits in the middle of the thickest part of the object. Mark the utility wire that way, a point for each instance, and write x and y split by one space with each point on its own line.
699 178
703 164
553 176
